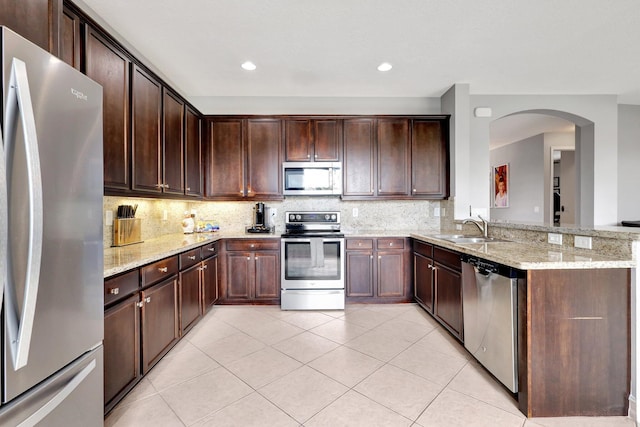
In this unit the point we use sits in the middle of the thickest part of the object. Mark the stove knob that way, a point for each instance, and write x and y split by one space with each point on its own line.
334 217
327 216
292 217
298 217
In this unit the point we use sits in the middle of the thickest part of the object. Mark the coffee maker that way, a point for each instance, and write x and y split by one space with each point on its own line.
261 220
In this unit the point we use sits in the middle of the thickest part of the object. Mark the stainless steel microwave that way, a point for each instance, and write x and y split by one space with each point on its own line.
312 178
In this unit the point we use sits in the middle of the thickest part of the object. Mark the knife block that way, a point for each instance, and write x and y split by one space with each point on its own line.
127 231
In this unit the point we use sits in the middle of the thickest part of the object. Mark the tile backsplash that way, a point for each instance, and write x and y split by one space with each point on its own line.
417 215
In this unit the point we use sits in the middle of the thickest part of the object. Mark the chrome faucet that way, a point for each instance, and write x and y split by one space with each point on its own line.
483 225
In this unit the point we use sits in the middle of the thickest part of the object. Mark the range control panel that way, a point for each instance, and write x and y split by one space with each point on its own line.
312 217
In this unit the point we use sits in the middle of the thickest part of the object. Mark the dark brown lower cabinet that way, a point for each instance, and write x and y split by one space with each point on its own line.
210 268
160 325
121 349
423 274
190 310
448 298
251 271
376 270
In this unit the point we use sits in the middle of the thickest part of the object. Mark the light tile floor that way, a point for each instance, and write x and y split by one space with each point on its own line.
370 365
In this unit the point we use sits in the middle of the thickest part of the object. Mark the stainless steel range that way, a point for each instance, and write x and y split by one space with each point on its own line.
312 262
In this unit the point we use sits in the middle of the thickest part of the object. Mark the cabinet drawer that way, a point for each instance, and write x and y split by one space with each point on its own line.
423 249
187 259
390 243
159 270
448 258
355 244
253 245
120 287
209 250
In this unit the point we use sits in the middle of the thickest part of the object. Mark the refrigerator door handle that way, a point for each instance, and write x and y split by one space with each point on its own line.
4 232
20 325
56 400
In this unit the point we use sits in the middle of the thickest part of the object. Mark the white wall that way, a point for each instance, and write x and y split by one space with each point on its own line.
314 105
628 162
525 181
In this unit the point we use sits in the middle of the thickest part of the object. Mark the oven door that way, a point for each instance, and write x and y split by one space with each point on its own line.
312 263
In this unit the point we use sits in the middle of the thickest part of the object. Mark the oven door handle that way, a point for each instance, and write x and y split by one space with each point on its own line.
329 240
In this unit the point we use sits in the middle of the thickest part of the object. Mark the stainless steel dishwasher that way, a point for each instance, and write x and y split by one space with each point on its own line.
489 304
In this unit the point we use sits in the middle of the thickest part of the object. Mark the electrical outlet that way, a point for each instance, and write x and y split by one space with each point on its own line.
354 212
108 217
444 211
458 226
536 209
582 242
165 215
436 212
554 238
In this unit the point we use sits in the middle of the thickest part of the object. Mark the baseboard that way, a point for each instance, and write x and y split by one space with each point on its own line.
633 410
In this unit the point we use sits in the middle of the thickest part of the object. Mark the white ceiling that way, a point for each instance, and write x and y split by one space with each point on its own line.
311 48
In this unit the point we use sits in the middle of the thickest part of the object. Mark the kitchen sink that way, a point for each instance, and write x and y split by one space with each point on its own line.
461 238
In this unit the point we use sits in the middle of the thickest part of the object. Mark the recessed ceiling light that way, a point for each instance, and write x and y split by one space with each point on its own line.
385 66
249 66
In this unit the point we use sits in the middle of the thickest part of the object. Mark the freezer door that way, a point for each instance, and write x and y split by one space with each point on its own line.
65 400
52 132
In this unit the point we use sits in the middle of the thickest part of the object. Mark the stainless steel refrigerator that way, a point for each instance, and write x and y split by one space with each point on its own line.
51 257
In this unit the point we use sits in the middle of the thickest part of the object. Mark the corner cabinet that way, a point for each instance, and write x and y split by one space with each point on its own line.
244 159
430 158
193 186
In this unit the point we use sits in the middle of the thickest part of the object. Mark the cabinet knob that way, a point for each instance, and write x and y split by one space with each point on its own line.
204 267
163 269
379 256
147 300
140 304
371 256
315 156
241 192
252 245
308 156
380 190
414 190
211 249
166 186
159 185
248 258
390 243
248 190
192 258
359 243
114 291
188 188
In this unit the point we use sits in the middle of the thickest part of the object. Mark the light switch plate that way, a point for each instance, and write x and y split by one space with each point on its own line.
582 242
555 238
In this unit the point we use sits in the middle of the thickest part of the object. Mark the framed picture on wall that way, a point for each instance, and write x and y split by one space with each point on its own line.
500 186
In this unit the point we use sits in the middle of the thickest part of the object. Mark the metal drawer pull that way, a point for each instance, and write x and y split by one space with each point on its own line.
114 291
163 269
211 249
192 258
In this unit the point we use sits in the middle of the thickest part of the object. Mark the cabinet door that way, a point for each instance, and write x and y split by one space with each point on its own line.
70 38
267 275
121 348
192 154
297 140
359 157
209 282
146 147
109 67
393 157
35 20
160 323
429 158
173 143
189 298
225 160
240 271
264 158
359 274
390 273
423 280
448 298
326 140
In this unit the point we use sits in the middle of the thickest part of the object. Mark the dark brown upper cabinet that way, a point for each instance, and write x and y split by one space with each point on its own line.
173 143
35 20
359 157
109 66
394 157
70 39
429 158
146 145
244 158
192 153
308 140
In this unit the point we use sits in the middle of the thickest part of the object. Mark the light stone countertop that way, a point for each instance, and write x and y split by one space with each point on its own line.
524 256
527 256
124 258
